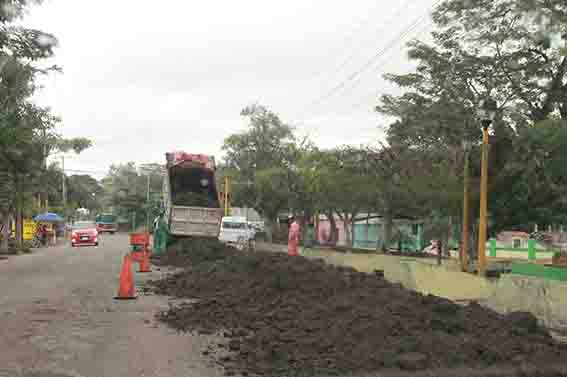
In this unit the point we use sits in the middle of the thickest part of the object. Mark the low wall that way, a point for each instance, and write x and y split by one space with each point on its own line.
544 298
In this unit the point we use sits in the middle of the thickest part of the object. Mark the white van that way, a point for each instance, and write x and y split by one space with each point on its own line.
235 230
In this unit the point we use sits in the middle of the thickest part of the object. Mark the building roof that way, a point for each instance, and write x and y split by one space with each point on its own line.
507 234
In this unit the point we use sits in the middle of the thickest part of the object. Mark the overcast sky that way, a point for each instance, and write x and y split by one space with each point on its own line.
145 77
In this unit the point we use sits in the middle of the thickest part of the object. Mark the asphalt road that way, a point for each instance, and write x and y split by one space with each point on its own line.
58 319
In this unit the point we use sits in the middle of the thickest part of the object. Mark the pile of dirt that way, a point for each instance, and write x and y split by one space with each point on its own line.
193 251
194 199
290 316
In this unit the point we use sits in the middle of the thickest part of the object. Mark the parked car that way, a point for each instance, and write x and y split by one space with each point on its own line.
235 230
84 233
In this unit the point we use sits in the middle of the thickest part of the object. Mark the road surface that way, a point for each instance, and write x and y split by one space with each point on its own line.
58 319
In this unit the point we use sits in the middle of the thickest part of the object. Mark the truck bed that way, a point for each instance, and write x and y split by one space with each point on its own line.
195 221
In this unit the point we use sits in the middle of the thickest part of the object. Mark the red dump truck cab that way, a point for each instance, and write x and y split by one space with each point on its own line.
190 195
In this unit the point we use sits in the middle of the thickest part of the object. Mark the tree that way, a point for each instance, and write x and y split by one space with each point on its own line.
262 155
340 185
539 177
124 190
84 191
485 47
21 122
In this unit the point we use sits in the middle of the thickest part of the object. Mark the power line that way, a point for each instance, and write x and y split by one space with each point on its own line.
354 77
379 67
357 73
376 31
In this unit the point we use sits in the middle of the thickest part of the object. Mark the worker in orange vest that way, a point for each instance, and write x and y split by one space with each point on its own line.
293 237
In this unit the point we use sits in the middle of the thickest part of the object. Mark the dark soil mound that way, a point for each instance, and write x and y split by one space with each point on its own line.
290 316
193 199
188 252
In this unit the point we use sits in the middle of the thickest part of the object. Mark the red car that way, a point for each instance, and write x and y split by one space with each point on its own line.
84 233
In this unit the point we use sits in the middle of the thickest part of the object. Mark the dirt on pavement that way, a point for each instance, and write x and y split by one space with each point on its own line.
290 316
58 318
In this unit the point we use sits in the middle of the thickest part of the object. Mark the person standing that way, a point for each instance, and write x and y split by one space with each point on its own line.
293 237
42 234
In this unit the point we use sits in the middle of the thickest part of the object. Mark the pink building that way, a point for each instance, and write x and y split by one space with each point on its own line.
324 234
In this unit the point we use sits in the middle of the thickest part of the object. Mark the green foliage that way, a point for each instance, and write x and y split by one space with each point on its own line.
27 131
263 156
506 48
83 191
125 190
539 176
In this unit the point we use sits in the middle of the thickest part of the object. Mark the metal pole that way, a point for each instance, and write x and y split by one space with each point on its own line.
226 196
64 192
465 234
64 184
44 189
148 205
483 204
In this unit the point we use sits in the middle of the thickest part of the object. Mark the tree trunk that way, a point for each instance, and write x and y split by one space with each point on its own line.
473 244
268 226
447 236
19 213
352 230
333 231
346 227
316 226
388 225
5 224
345 219
305 228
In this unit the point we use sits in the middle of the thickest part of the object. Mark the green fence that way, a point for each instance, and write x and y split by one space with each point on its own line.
535 270
532 251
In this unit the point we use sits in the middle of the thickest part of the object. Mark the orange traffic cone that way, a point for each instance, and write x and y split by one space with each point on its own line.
137 256
145 262
126 290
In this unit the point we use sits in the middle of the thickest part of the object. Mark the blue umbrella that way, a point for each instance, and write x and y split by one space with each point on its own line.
48 217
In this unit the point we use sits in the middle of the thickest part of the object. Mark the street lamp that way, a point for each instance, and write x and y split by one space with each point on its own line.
486 114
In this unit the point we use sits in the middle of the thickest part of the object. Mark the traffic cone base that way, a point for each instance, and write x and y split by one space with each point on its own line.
126 289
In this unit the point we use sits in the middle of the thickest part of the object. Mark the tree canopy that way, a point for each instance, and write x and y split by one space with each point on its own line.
27 131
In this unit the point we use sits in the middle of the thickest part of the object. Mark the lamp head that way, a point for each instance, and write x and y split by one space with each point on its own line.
487 112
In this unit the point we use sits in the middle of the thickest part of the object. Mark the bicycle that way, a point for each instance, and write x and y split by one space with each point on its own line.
35 242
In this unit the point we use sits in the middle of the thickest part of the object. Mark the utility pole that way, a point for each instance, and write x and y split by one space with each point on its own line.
148 204
464 252
487 114
64 187
227 196
46 208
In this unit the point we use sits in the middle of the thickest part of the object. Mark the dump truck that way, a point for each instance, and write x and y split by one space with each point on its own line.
191 206
106 222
